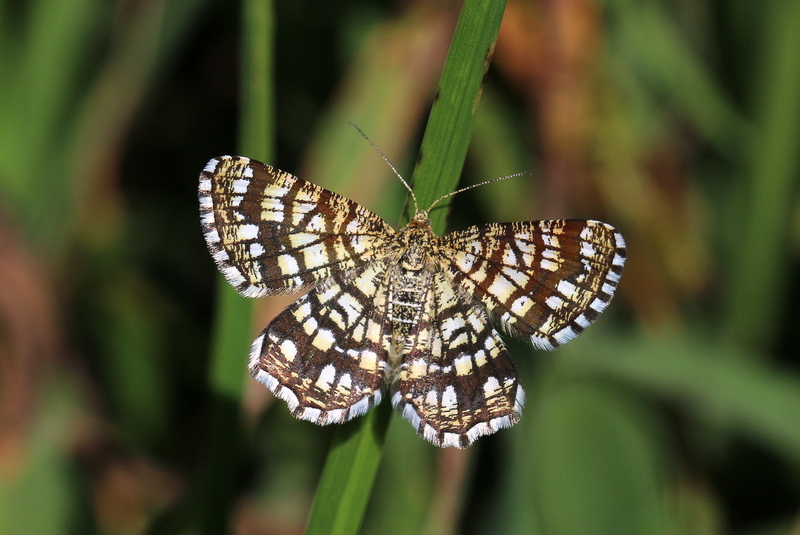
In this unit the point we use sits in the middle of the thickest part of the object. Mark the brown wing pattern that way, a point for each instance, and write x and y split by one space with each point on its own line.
457 382
270 232
545 280
325 354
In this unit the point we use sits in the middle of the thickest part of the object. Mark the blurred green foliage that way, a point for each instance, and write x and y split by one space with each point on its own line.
678 122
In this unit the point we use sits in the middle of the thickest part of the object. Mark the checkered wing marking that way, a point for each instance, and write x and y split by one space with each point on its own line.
324 355
545 280
457 382
270 232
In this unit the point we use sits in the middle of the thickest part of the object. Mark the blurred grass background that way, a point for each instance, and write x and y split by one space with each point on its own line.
677 122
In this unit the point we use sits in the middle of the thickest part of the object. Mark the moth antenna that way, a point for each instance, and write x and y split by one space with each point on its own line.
385 159
443 197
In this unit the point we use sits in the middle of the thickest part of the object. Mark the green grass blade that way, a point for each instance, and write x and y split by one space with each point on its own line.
349 473
256 136
447 136
656 46
729 389
760 254
595 462
215 485
40 89
232 335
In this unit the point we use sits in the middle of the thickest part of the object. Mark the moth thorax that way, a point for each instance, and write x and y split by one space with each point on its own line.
418 239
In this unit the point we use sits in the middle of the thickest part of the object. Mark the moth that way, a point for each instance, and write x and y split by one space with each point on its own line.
403 312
